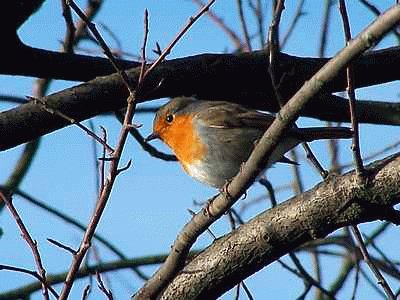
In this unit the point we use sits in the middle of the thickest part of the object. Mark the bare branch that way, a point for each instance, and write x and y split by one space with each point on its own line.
32 273
374 269
263 149
243 24
352 96
31 243
311 215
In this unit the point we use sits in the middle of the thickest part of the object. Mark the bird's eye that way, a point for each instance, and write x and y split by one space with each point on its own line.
169 118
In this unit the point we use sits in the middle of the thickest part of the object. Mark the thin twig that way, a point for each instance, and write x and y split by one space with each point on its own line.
297 183
244 25
355 147
372 284
85 271
31 243
96 256
72 221
102 43
325 27
102 287
114 164
333 144
62 246
374 269
237 292
32 273
274 48
189 23
153 151
268 142
192 213
259 15
267 184
71 120
304 274
384 256
69 38
377 13
246 204
86 292
220 23
298 188
356 279
350 261
94 157
297 15
374 155
102 162
313 159
247 291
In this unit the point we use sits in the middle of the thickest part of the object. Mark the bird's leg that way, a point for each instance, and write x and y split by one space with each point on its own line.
207 211
223 190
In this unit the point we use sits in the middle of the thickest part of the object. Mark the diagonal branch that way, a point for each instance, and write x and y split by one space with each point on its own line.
256 162
282 229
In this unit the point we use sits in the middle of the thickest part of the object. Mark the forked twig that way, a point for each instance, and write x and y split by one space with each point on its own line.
374 269
31 243
102 287
168 49
32 273
113 169
102 43
274 48
71 120
116 156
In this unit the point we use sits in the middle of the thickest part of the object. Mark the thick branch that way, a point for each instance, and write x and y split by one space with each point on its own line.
14 13
223 75
274 233
19 59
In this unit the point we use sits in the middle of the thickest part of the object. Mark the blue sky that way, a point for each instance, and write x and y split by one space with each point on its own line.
149 202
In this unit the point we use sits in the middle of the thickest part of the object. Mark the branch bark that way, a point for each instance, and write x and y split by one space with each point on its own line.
241 78
282 229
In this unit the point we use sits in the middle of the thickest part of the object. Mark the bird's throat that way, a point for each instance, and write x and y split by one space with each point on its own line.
182 138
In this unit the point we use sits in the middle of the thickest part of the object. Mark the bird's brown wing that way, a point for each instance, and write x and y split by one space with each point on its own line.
221 115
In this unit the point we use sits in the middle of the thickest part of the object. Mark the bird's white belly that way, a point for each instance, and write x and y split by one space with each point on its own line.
197 171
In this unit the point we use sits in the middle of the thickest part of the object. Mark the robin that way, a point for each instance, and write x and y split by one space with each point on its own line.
211 139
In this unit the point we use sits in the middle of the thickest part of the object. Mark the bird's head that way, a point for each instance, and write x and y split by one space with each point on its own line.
170 120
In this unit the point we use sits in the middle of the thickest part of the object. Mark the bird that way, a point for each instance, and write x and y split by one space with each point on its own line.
211 139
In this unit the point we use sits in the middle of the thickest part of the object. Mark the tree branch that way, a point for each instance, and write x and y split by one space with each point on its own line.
223 76
277 231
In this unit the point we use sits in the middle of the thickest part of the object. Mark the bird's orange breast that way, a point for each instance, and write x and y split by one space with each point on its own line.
183 139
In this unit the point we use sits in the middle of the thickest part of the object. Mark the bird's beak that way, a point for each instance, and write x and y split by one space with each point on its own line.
152 136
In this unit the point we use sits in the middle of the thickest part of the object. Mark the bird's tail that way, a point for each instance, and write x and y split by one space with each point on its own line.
319 133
